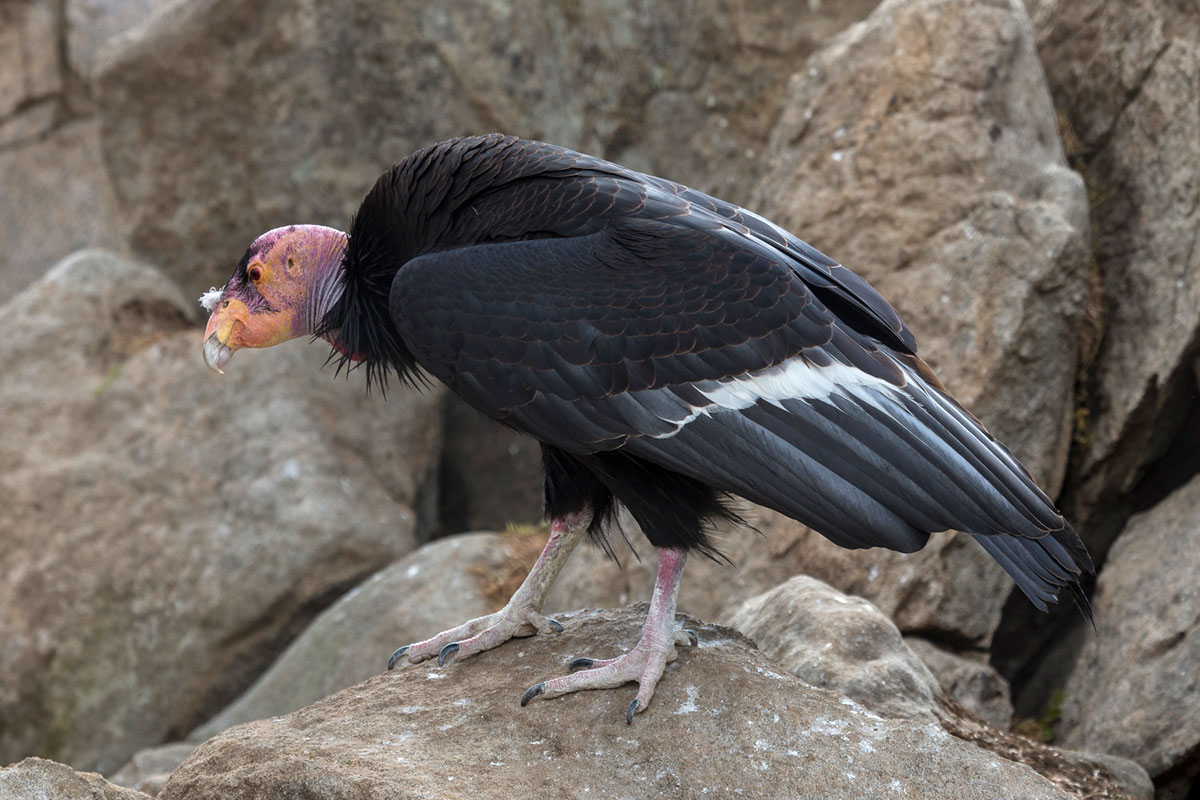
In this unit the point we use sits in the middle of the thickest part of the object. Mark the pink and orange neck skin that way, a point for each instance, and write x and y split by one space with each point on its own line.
290 279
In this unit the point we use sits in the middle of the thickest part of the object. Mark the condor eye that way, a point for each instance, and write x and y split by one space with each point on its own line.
254 273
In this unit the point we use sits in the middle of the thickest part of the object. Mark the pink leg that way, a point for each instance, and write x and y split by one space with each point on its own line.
649 657
523 614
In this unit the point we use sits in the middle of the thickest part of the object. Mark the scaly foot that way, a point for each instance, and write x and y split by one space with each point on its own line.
523 614
646 661
478 635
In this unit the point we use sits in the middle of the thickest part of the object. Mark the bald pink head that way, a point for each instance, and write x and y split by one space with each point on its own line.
286 281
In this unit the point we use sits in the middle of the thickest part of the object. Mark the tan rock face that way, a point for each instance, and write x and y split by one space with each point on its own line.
723 719
1125 76
1136 691
167 530
309 103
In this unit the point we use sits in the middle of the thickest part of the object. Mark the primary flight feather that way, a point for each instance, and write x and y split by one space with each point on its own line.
666 348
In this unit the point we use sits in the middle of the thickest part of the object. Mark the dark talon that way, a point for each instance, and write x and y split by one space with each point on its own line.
692 637
532 692
396 656
447 651
554 625
629 712
580 663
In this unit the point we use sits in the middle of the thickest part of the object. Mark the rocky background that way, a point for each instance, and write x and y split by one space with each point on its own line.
181 554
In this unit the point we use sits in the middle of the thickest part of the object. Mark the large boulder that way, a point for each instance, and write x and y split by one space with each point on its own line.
1136 691
833 641
223 118
438 586
167 530
724 721
1124 76
932 166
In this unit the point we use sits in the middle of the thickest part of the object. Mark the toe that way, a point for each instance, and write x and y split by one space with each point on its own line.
446 652
532 692
396 656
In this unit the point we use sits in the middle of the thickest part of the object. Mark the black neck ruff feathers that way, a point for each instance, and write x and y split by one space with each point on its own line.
359 323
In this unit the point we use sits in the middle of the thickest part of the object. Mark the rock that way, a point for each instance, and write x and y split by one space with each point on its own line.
38 779
971 682
434 588
223 119
1128 776
424 732
1083 775
149 769
57 195
491 476
65 203
29 55
91 24
932 166
167 531
1135 691
1124 77
833 641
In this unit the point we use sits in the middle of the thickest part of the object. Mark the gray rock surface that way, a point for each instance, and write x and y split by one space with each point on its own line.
969 681
1128 777
29 55
39 779
491 476
57 196
149 769
65 202
761 733
303 105
932 166
93 24
438 586
1136 690
833 641
167 530
1124 76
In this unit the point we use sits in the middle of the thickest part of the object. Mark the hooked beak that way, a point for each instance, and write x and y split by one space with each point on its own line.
216 354
218 335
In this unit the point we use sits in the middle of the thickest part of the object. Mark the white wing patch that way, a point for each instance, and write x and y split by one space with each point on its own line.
210 298
796 379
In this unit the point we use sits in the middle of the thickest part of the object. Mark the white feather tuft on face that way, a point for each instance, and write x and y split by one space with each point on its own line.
210 298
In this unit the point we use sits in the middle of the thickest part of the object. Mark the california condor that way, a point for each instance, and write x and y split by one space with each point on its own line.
666 348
